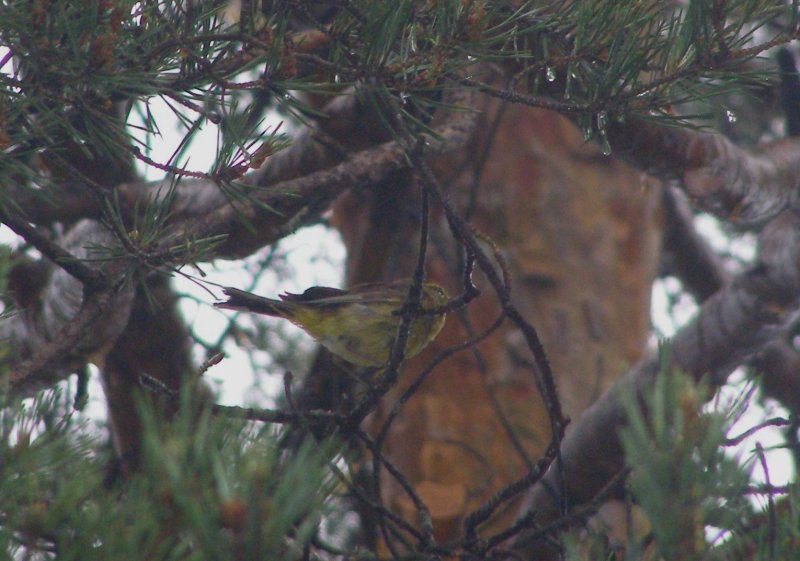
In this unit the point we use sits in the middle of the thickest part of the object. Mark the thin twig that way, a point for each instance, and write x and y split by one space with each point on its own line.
246 413
485 511
544 376
381 512
773 422
426 537
577 515
420 379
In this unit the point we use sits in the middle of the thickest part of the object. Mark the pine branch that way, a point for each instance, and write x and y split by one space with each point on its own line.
270 214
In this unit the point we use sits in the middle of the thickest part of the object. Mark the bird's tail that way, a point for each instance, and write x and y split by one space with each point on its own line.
249 302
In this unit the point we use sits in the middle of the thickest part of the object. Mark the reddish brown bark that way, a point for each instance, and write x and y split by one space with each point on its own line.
580 232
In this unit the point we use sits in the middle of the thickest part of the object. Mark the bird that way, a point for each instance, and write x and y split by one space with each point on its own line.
358 324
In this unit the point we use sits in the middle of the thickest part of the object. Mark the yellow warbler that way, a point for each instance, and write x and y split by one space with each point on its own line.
358 324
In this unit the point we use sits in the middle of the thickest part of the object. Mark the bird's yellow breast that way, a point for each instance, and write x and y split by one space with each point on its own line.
363 334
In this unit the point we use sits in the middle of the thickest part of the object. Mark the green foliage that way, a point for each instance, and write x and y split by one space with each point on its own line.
685 482
209 488
680 473
78 58
75 76
690 498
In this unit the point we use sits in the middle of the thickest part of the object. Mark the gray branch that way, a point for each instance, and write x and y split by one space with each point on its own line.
744 187
66 325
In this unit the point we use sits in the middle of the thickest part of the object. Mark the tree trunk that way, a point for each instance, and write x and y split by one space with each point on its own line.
581 234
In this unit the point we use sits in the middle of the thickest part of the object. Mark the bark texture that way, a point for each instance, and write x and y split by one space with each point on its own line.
580 233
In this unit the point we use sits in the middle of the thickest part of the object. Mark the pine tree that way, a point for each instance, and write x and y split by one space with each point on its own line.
495 147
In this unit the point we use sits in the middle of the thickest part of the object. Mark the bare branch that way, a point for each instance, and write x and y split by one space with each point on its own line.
686 253
271 213
779 367
74 345
91 278
70 324
743 187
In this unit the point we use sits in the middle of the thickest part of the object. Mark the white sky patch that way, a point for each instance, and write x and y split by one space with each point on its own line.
672 308
313 256
198 155
779 459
